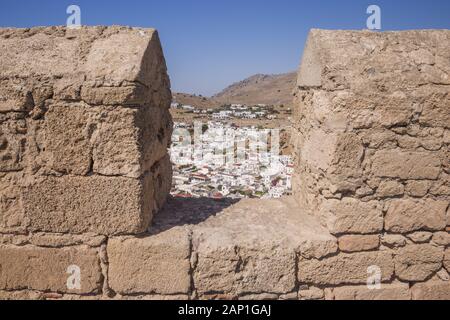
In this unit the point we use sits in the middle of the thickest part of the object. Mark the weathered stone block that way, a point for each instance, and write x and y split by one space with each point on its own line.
406 165
48 269
431 290
393 240
408 215
420 236
12 214
441 239
311 293
345 268
395 291
447 259
418 262
12 143
390 189
157 264
244 270
251 248
129 142
355 243
103 205
112 141
352 216
417 188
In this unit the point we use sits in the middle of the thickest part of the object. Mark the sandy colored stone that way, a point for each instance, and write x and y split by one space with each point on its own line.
420 236
311 293
417 262
390 189
345 268
129 142
157 264
406 165
447 259
252 247
393 240
355 243
80 139
417 188
46 269
441 239
12 143
23 295
352 216
365 59
103 205
12 213
395 291
431 290
53 240
412 215
80 64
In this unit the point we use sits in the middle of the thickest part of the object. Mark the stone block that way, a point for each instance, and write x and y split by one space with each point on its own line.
406 165
418 262
352 216
408 215
345 268
395 291
431 290
49 269
157 264
102 205
355 243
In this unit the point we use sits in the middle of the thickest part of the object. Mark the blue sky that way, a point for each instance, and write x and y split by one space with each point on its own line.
209 44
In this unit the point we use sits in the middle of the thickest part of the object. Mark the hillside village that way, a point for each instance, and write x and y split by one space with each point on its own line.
215 168
234 111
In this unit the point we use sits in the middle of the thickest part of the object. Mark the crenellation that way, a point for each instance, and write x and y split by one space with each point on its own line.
85 176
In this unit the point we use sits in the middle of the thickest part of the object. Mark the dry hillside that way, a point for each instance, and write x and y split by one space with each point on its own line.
265 89
258 89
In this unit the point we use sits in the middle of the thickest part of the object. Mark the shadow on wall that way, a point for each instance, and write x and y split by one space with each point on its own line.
188 211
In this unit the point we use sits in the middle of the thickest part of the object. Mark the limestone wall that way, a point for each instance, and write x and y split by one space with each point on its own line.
372 130
84 130
84 127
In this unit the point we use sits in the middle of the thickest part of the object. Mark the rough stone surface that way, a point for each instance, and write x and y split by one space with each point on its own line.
418 262
441 239
420 236
431 290
156 264
352 216
406 165
447 259
104 205
252 248
355 243
46 269
311 293
345 268
395 291
393 240
409 215
84 129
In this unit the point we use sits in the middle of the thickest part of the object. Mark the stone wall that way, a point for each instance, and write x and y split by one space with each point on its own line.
84 134
372 129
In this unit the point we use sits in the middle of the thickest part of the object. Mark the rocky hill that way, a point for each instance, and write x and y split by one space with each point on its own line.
257 89
260 88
